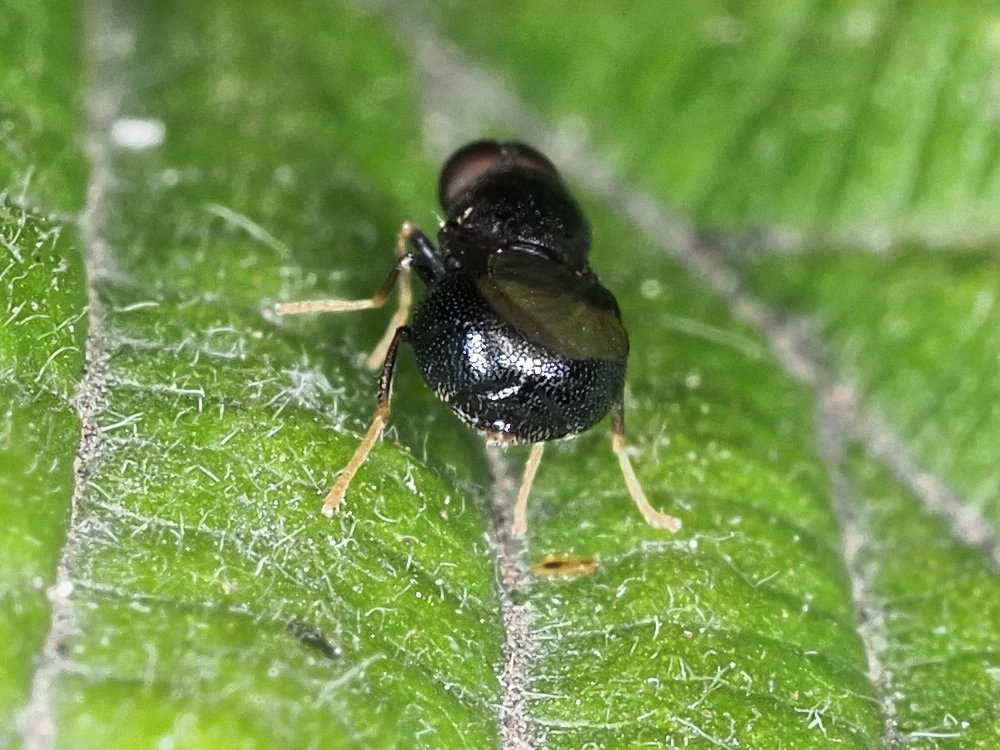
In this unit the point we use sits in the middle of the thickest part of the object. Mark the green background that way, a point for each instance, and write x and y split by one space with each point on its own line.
795 204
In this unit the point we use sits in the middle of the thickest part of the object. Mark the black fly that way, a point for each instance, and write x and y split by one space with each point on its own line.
515 333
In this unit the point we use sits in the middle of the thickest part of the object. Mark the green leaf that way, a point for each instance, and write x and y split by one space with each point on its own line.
821 412
41 355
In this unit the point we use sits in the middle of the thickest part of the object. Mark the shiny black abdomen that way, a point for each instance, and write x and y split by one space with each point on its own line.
498 381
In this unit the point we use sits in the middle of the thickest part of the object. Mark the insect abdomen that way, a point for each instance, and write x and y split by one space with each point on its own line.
499 382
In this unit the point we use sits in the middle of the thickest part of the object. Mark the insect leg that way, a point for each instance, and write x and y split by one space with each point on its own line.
520 525
344 305
652 515
336 495
400 274
404 302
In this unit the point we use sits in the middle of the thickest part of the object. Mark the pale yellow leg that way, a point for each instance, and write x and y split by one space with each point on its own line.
335 497
520 525
327 305
400 274
399 318
652 515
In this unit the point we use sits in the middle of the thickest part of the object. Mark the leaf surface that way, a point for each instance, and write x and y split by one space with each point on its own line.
794 206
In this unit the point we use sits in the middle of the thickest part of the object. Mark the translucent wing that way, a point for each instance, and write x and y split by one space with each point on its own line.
566 312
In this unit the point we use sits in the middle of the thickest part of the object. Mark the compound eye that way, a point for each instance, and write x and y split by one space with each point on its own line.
464 168
472 162
528 158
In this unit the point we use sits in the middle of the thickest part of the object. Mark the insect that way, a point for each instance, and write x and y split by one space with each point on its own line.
515 332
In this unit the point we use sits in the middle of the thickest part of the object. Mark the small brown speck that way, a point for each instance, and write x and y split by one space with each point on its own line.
564 566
